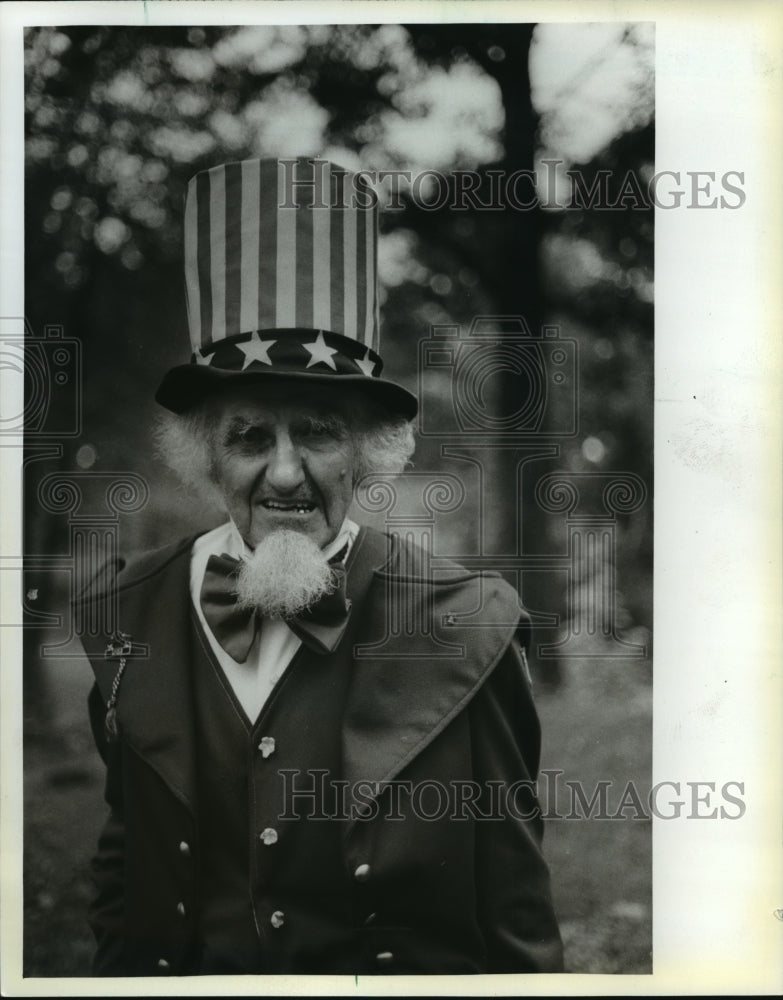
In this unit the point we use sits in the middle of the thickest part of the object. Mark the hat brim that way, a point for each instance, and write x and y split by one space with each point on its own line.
185 386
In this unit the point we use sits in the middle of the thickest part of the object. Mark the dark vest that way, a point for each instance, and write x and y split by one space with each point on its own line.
266 800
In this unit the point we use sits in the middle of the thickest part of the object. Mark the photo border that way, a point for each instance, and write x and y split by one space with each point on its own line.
718 316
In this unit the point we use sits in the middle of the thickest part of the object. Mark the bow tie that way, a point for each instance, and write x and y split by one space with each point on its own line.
320 627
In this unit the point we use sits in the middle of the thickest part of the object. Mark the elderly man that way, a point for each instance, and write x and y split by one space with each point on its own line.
293 786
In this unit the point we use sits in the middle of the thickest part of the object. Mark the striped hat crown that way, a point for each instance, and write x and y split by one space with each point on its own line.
280 278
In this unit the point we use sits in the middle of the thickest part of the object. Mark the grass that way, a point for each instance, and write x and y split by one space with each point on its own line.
598 727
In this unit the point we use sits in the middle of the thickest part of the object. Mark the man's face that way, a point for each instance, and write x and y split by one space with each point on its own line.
283 459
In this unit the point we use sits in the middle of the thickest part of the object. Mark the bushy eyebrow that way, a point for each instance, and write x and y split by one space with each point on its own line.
309 423
239 426
322 423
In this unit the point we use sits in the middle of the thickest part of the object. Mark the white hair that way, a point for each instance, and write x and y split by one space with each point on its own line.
382 443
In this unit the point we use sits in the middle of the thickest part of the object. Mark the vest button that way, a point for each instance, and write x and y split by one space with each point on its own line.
362 873
277 919
384 958
267 746
184 848
181 909
371 918
163 964
268 836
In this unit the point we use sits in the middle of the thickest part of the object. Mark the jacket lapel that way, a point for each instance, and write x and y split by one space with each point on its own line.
407 687
154 700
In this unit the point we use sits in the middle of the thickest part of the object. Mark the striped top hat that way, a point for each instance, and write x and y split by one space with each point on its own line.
281 281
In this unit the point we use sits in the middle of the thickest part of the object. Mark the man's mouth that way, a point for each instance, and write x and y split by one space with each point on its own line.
300 507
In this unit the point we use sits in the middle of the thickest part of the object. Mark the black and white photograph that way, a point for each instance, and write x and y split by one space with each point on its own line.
391 594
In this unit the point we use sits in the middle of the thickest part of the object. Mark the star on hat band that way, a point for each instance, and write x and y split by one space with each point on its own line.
292 351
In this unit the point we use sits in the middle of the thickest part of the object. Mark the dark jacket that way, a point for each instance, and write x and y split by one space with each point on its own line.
448 704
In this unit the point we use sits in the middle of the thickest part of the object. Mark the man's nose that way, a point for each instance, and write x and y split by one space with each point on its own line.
284 471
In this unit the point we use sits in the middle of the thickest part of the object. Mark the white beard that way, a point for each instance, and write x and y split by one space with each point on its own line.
286 573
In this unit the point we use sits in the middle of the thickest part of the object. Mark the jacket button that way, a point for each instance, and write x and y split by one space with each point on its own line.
277 919
184 848
371 918
362 873
163 964
181 909
384 958
267 746
269 836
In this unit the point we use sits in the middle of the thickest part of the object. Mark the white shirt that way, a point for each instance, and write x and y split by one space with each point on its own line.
275 644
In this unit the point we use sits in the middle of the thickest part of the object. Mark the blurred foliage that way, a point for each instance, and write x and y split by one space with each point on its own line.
119 118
